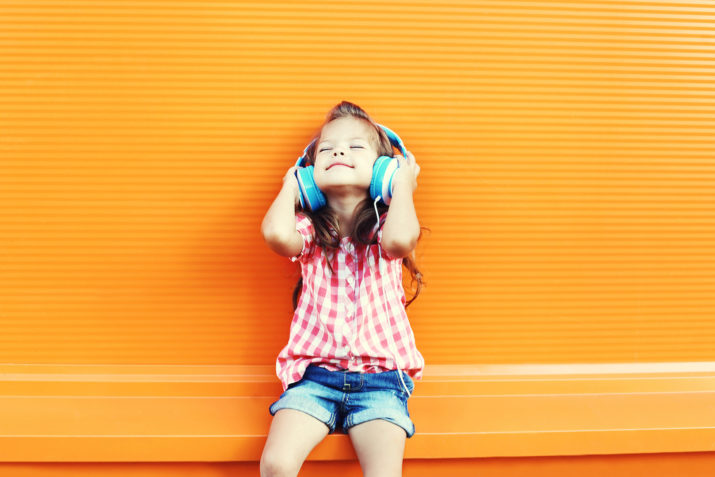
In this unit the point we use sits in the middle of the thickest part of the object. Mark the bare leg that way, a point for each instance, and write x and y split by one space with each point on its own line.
292 436
380 447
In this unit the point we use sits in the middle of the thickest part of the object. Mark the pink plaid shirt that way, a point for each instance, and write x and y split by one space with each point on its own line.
353 318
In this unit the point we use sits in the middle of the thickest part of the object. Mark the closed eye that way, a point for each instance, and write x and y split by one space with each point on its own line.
357 147
324 149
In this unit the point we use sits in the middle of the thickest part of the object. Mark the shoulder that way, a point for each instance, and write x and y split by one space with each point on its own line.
303 223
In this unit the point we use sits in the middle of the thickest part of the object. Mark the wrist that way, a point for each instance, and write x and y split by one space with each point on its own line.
400 187
290 187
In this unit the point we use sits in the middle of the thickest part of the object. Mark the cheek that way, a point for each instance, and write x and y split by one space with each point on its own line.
367 174
319 164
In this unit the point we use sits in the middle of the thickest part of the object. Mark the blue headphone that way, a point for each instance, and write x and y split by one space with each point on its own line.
383 171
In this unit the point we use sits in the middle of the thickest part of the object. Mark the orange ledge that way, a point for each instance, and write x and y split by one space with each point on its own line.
137 413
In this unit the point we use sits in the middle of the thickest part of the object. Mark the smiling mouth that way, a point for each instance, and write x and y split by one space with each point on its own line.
338 164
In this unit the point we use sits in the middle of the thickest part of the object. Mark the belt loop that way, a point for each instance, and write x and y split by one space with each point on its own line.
346 385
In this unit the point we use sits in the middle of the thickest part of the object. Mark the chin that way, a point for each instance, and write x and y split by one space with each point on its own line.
338 184
339 189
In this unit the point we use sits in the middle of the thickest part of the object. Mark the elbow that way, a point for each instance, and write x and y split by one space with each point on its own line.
273 236
281 241
400 242
267 231
400 247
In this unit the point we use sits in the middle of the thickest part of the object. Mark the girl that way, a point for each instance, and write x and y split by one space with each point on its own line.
351 353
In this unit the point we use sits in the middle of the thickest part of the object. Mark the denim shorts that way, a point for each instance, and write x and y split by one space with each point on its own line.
343 399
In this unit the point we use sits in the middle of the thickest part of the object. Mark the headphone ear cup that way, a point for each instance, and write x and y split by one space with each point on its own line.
310 195
382 173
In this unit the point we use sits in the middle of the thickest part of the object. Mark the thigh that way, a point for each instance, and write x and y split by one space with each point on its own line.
380 447
293 434
382 396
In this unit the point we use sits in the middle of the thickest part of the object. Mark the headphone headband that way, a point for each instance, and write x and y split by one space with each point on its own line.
395 140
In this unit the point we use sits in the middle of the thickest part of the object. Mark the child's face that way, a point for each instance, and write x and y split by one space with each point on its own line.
345 154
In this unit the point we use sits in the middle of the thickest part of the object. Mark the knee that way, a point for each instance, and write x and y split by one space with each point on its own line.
275 465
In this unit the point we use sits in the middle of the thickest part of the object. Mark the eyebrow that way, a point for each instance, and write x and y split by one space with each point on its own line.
351 139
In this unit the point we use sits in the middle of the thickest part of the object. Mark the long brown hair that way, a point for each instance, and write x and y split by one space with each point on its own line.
325 220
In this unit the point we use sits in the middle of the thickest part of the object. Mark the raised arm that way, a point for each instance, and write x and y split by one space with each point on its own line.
402 229
278 227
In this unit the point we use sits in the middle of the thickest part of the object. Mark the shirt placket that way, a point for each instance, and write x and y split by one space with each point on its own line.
348 301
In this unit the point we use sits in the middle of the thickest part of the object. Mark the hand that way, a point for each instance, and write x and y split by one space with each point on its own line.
406 175
290 181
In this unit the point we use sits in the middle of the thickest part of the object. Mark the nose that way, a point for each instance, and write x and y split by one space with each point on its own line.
338 153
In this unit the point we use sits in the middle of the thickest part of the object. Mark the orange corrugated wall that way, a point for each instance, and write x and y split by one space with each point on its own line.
567 153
